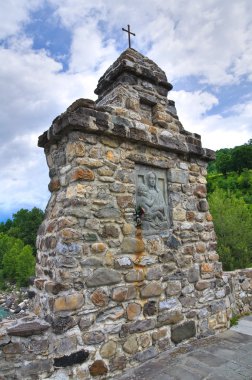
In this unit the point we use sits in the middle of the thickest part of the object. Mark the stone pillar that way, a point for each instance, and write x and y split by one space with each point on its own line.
126 263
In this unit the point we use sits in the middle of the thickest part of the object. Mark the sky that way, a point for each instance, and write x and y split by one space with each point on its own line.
53 52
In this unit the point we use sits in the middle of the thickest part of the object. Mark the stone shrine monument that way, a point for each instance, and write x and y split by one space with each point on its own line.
126 262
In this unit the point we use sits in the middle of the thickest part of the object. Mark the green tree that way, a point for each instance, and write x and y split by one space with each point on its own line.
25 225
17 262
10 260
25 263
223 161
4 227
232 221
6 242
241 158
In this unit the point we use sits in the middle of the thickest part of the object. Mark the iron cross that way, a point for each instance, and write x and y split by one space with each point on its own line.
129 33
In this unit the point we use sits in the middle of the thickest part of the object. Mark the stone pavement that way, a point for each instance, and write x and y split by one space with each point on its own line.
227 356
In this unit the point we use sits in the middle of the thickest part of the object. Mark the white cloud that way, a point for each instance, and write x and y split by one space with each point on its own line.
217 131
15 14
209 40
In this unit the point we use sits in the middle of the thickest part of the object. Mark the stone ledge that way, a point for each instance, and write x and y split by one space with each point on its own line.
26 327
90 120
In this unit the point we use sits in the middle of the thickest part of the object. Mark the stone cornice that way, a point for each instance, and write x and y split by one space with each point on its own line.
89 118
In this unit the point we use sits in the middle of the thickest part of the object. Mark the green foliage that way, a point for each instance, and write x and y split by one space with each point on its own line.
232 160
17 262
25 265
4 227
232 221
6 242
18 246
234 320
242 158
235 183
24 226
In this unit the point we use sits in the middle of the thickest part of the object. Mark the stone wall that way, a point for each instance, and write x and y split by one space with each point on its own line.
240 282
112 291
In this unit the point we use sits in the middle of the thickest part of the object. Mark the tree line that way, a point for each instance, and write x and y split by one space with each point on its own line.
230 200
235 159
18 247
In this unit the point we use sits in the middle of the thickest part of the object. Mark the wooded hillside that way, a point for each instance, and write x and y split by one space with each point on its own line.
230 200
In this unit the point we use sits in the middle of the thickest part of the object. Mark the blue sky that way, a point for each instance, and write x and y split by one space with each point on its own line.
54 51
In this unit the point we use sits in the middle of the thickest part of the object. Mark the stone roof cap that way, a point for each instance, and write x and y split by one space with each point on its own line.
137 65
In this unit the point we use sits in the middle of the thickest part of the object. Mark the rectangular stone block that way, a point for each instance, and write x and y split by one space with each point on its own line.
178 176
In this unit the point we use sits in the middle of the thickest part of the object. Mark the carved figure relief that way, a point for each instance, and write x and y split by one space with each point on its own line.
151 201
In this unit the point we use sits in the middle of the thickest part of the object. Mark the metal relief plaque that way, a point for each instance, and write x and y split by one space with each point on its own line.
152 199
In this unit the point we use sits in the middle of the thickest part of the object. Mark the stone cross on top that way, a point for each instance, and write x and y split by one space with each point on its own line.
129 33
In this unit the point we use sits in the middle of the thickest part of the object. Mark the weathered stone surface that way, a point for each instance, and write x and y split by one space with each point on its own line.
150 308
27 328
91 262
146 355
178 176
153 289
169 317
188 301
82 174
100 298
131 345
70 234
74 358
15 348
146 260
134 276
183 331
68 302
31 369
124 293
179 214
203 205
54 287
125 201
170 303
117 187
118 363
133 311
98 368
202 285
85 322
138 326
93 337
107 212
164 344
159 334
154 273
76 149
62 324
206 268
112 313
194 274
54 185
188 289
132 245
103 277
145 340
173 288
110 231
201 247
200 191
98 247
108 349
105 171
123 262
